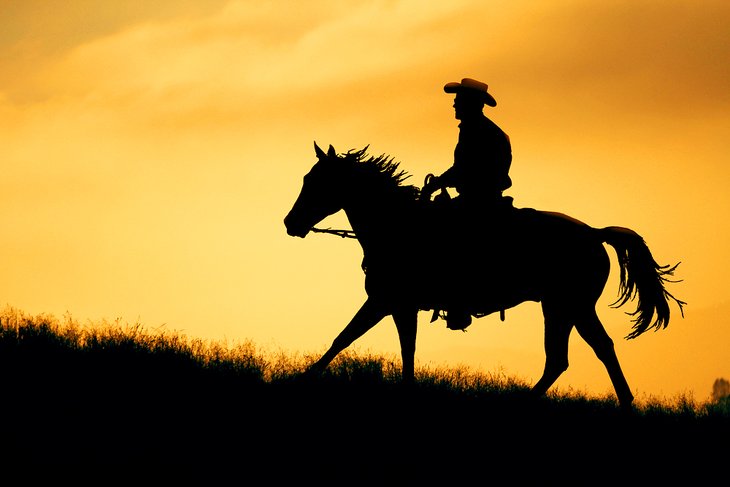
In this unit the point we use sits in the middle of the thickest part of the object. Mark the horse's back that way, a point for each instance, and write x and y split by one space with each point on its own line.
560 217
492 258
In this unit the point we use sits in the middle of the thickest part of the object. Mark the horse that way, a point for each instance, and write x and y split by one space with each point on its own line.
420 254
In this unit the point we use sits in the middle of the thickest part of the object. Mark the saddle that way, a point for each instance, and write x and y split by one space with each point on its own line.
462 228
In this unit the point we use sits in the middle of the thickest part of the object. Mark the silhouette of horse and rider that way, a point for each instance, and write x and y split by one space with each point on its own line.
476 253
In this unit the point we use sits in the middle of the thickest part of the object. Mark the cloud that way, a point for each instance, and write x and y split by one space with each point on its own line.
36 32
275 47
641 56
253 48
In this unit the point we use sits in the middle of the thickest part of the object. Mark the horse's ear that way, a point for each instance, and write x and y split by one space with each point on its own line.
331 151
320 153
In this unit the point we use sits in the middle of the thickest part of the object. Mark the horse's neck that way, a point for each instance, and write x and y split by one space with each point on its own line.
376 223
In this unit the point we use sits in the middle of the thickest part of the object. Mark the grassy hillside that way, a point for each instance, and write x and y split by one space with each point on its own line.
112 402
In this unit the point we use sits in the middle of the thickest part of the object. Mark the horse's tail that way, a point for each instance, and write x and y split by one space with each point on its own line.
641 277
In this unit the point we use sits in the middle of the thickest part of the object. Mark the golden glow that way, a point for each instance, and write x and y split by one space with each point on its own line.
151 150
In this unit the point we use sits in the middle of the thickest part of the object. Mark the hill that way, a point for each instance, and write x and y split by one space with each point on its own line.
115 403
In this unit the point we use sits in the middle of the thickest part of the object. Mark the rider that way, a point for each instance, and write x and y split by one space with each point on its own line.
482 160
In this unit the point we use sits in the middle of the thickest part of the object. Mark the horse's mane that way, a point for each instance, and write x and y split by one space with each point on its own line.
382 168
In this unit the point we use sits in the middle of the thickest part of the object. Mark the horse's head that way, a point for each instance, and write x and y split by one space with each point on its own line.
322 193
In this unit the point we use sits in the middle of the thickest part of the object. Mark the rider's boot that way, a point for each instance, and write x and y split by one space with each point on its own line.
457 319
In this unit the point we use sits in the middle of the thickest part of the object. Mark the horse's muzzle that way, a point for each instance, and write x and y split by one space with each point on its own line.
292 229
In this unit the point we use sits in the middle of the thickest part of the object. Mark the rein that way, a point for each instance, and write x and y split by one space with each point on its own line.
340 233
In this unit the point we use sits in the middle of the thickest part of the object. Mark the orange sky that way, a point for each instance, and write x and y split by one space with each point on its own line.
150 151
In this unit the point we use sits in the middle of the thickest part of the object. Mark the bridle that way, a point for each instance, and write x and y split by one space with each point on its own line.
339 233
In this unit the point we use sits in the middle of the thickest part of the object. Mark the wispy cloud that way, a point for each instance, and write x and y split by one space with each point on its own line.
252 48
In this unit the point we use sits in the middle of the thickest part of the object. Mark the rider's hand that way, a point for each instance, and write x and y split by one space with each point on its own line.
432 184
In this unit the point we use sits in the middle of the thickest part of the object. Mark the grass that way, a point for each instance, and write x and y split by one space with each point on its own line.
117 399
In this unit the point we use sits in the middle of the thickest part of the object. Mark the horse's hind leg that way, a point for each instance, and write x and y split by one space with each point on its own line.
557 333
592 331
367 317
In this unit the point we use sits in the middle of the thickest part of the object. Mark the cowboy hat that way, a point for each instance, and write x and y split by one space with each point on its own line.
471 86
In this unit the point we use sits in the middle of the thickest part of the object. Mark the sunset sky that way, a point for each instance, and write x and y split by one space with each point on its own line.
150 151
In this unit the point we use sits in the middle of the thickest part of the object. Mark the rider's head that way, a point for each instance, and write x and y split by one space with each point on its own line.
471 96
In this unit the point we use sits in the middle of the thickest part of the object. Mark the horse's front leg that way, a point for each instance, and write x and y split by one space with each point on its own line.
406 321
367 317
